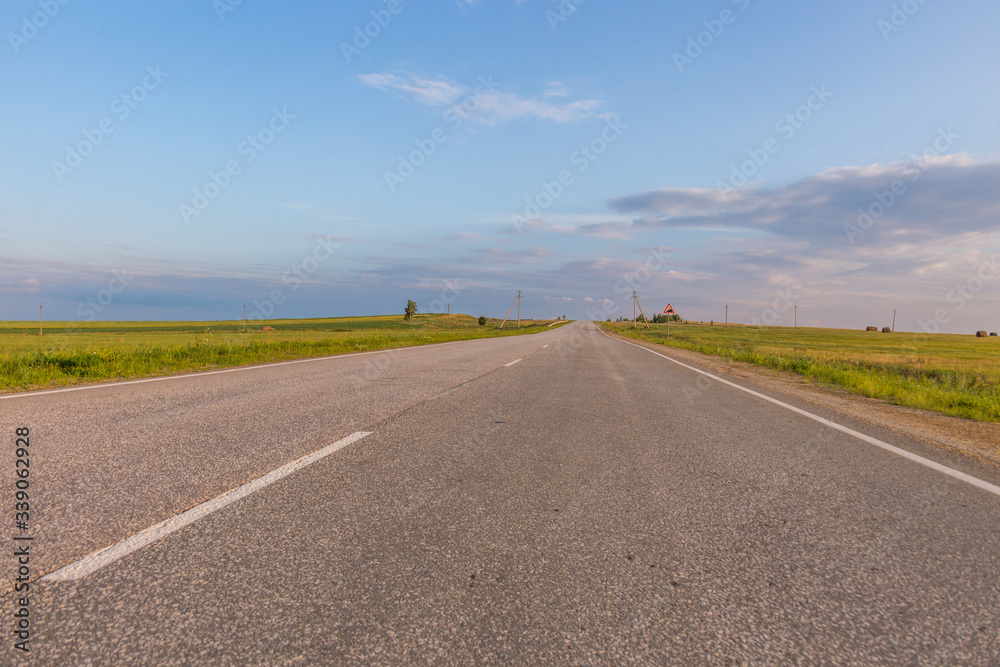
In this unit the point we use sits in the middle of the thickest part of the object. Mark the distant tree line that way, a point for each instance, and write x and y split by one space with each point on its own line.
657 319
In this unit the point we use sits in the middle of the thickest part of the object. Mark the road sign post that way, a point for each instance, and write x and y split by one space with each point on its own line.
669 310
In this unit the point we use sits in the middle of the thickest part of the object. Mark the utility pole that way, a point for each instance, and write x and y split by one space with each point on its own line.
635 303
449 317
727 313
517 302
39 319
894 321
796 316
244 318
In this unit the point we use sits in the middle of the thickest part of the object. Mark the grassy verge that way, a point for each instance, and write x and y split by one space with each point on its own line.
954 375
73 353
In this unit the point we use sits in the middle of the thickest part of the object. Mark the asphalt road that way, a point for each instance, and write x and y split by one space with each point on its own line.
591 503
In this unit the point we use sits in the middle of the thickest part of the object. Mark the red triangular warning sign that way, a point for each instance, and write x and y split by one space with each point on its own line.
669 310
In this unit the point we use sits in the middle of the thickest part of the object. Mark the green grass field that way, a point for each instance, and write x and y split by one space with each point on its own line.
955 375
72 352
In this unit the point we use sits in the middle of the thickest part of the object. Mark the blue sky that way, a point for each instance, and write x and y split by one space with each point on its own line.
174 160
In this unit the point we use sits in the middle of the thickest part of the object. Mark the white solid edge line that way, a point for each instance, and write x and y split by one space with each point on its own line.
933 465
105 385
104 557
255 367
516 361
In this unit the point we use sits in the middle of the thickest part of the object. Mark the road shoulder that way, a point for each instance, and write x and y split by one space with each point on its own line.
979 441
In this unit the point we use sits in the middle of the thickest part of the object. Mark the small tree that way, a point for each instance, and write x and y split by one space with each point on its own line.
411 310
482 320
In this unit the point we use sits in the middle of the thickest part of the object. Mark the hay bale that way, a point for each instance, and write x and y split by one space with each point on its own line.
871 329
994 333
886 329
266 328
981 334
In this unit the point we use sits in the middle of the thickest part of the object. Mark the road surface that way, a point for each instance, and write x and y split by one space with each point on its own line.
565 497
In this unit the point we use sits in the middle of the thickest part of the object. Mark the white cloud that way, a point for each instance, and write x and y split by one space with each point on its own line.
596 226
425 91
556 89
489 107
936 237
894 203
501 107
